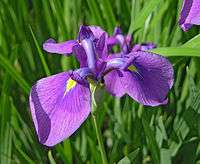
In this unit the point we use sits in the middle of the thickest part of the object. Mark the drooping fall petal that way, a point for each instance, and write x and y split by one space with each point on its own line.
114 83
97 31
59 105
147 79
101 46
80 54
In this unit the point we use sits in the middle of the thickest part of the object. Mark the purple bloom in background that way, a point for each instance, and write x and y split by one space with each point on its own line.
61 103
190 14
119 38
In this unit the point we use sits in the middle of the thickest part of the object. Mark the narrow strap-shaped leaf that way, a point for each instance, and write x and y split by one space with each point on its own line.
40 53
177 51
193 43
153 146
142 16
14 74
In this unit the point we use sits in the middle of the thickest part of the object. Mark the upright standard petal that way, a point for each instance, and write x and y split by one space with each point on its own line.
190 14
112 40
88 46
80 54
59 105
85 33
90 32
119 38
60 48
147 79
101 46
97 31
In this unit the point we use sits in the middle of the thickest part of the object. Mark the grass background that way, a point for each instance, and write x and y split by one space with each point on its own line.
131 133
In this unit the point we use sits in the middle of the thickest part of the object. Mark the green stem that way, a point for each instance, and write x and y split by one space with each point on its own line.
100 142
97 129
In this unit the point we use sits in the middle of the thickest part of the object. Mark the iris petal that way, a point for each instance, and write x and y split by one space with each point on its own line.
58 113
149 84
97 31
190 14
114 83
101 46
60 48
85 33
89 50
80 54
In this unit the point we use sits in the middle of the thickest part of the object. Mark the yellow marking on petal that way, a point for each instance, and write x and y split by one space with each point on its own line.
70 84
132 68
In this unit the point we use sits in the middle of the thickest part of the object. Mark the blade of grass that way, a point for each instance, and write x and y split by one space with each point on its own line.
14 74
153 146
177 51
40 53
107 9
142 16
193 43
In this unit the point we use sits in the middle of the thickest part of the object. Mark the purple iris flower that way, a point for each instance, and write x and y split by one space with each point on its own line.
125 43
119 38
190 14
61 103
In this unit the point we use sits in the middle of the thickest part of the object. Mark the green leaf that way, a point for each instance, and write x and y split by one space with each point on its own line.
194 95
107 10
193 43
130 157
153 146
51 159
14 74
95 11
165 156
177 51
40 53
142 16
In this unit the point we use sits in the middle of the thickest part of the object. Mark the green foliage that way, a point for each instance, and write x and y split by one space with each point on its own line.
131 133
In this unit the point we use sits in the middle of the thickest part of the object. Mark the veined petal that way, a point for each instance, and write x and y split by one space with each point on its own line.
190 14
115 62
88 46
114 83
112 40
85 33
60 48
101 46
80 54
92 32
100 68
148 83
97 31
123 41
59 105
